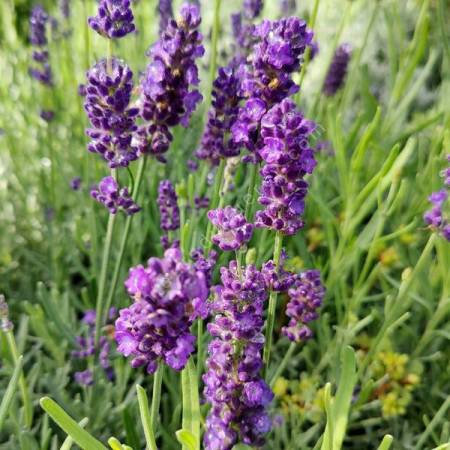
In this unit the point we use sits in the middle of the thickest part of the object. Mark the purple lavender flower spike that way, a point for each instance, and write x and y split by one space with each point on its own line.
75 183
86 348
252 8
64 6
107 99
233 385
168 206
233 229
287 159
110 194
305 298
204 264
167 94
277 53
47 115
338 70
216 141
168 296
280 280
288 7
165 14
114 19
446 173
38 39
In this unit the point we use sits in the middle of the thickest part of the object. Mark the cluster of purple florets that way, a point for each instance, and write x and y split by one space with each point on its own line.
86 348
287 158
41 70
233 230
168 93
305 297
109 193
168 206
436 217
107 103
165 10
233 384
338 70
114 19
168 296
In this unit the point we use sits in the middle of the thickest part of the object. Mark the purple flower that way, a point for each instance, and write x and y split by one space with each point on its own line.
64 6
168 296
216 141
233 229
233 386
38 39
204 264
165 14
47 115
114 19
278 280
446 173
75 183
113 197
288 7
277 53
167 98
305 297
252 8
287 159
168 206
86 348
337 70
107 99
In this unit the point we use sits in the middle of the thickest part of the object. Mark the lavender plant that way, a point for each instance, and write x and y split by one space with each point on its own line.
243 257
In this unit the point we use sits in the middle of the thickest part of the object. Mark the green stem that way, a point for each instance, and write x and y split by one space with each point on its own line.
103 272
272 302
156 396
27 405
123 243
251 193
283 364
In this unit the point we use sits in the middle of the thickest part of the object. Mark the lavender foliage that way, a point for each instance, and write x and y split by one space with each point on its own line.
168 295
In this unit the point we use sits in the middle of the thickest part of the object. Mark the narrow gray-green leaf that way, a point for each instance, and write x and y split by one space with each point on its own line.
10 390
67 444
145 418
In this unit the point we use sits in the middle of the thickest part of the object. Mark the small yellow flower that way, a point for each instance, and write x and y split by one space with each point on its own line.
388 257
281 386
391 405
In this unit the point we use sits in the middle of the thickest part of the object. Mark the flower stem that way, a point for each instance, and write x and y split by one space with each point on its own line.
272 301
103 272
156 396
250 200
283 363
123 243
24 392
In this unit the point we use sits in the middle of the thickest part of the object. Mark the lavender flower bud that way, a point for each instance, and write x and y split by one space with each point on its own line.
165 14
75 183
5 324
109 194
64 6
168 296
233 229
287 159
338 70
108 94
305 298
252 8
167 97
168 206
288 7
38 23
114 19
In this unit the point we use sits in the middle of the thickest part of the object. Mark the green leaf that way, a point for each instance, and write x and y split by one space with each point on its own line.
67 444
191 403
386 442
10 391
115 443
186 439
145 418
66 423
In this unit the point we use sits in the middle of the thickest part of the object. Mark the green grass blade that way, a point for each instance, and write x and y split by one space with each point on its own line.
191 403
386 442
145 418
68 442
66 423
10 391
